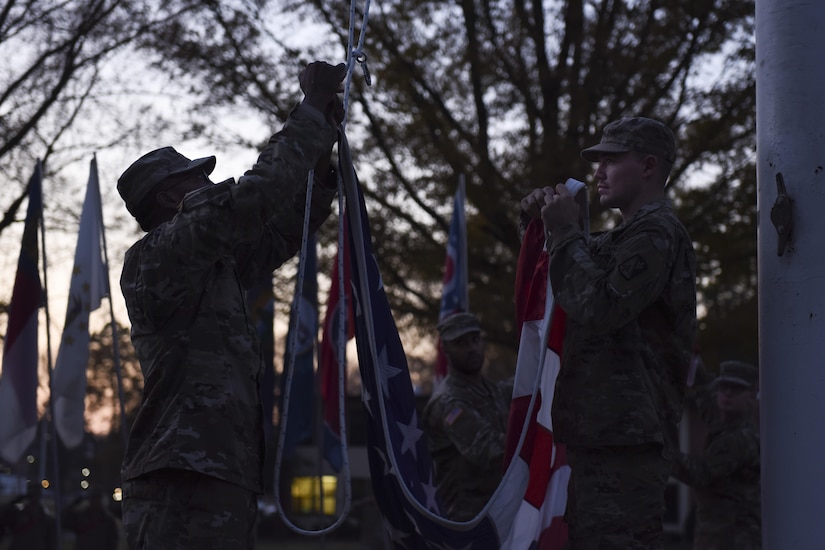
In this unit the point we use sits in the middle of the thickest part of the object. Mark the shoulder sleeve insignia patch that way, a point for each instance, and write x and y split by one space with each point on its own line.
453 415
633 266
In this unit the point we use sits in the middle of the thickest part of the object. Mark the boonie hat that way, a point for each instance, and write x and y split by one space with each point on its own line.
151 169
458 324
738 373
640 134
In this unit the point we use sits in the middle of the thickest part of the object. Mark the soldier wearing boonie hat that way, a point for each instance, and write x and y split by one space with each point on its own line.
198 436
146 175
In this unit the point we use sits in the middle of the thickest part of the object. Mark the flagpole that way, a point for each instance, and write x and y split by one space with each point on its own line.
790 116
463 248
124 432
49 368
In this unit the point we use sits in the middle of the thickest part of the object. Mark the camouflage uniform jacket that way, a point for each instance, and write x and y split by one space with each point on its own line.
465 421
726 479
630 299
184 285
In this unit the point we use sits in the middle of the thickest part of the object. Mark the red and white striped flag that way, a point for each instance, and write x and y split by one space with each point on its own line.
539 523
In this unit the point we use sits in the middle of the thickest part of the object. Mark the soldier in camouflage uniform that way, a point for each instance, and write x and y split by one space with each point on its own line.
726 475
193 465
630 299
465 421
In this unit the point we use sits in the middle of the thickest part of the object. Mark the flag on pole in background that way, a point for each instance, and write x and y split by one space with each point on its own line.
329 360
18 381
303 319
86 290
455 293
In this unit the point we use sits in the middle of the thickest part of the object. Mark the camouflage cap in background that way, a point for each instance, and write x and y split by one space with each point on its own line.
738 373
640 134
152 168
458 324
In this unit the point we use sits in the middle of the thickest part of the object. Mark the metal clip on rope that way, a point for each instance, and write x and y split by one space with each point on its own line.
361 58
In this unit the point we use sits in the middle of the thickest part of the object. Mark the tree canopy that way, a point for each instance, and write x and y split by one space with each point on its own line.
503 92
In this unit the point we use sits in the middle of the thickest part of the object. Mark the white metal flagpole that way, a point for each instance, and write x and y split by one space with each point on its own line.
790 77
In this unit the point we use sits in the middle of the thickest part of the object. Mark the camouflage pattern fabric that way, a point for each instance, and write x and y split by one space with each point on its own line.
465 422
726 480
180 510
184 285
616 497
630 299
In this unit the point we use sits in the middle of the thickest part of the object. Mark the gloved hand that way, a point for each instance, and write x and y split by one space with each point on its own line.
321 84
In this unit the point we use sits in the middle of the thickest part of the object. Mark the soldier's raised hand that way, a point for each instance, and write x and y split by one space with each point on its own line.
321 84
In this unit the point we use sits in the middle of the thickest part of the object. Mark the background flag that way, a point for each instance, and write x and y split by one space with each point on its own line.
454 294
328 364
87 288
303 318
400 465
18 382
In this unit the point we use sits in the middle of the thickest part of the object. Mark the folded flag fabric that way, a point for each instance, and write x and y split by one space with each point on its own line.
539 523
400 465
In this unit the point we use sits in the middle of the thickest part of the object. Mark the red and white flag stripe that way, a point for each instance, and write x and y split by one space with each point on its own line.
539 522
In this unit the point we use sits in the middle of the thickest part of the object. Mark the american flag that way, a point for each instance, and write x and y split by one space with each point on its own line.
539 522
401 468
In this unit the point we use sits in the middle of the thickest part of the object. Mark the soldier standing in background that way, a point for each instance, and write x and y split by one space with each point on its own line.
726 475
193 465
629 295
465 421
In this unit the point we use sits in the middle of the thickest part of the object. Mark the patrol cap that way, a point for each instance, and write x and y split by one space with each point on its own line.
738 373
458 324
152 168
640 134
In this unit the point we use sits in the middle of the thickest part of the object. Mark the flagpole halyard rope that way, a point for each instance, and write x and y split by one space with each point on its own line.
353 55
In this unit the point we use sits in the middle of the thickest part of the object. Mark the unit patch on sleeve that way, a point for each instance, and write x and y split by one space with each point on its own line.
633 266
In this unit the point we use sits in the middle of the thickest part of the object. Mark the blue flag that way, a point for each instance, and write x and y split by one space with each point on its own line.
303 318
